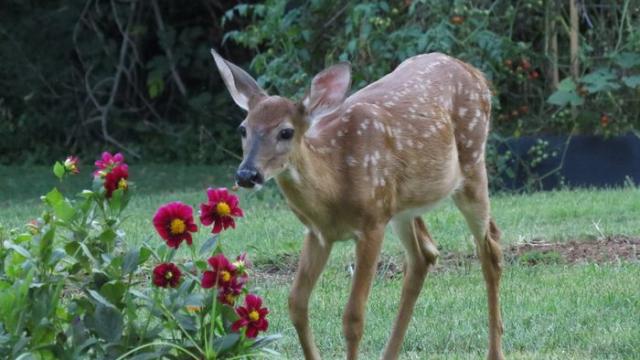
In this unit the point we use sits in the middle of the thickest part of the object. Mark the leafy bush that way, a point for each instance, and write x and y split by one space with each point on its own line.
70 287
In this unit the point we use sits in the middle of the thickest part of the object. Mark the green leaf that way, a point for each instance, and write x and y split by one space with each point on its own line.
600 80
144 255
100 299
61 207
187 322
627 60
265 340
566 94
54 197
113 291
130 263
209 245
106 322
58 170
225 343
632 81
17 248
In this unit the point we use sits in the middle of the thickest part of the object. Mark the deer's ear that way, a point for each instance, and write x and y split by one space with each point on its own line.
328 89
243 88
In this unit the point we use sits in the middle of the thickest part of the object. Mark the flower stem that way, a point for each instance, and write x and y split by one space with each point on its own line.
168 313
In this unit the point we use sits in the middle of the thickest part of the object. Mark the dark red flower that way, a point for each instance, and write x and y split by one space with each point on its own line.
116 179
71 164
228 294
174 223
166 275
108 162
222 274
457 20
252 316
220 210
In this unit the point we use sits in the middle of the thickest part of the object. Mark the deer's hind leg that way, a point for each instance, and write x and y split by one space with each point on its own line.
421 253
473 201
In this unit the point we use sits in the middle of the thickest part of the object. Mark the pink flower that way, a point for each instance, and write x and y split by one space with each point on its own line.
108 162
174 223
222 272
71 164
117 178
220 210
252 316
228 294
166 275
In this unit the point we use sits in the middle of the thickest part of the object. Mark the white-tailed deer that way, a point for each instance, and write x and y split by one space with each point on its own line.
350 165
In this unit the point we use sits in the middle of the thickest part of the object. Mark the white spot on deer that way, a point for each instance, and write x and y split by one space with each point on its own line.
409 143
295 175
340 133
419 144
379 203
351 161
389 104
469 143
333 142
462 111
359 132
432 128
473 123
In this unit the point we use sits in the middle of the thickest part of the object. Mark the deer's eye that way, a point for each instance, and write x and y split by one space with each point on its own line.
285 134
243 131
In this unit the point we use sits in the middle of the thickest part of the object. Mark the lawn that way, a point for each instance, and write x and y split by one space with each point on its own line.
554 311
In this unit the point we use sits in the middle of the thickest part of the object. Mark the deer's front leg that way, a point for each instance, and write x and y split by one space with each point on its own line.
367 251
312 260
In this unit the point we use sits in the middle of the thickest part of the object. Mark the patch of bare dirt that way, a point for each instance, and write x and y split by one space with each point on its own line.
610 249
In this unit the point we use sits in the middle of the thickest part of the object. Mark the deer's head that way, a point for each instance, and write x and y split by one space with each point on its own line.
275 125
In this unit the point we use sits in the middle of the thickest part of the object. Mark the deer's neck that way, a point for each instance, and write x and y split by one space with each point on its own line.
309 182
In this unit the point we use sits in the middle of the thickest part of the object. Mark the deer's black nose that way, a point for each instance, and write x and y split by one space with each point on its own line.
248 178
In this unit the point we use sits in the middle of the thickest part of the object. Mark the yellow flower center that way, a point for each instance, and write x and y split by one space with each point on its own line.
230 298
254 315
122 184
223 209
168 275
177 226
225 276
193 308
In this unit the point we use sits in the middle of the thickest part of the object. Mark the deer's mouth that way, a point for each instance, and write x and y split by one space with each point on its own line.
249 178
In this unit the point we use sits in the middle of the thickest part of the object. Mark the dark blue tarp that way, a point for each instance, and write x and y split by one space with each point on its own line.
589 161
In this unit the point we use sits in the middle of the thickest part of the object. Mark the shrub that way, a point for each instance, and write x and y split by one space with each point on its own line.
71 287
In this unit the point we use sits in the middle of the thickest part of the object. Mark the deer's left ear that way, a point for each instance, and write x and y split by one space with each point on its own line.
243 88
328 89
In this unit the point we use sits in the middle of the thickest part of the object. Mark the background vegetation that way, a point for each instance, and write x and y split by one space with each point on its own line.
136 76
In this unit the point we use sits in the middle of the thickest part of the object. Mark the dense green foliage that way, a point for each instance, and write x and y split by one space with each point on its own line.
74 286
137 76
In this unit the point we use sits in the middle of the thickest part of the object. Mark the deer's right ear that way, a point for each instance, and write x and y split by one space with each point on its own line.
243 88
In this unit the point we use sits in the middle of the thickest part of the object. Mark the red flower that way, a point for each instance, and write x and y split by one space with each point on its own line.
174 223
252 316
116 179
220 210
166 275
228 294
222 274
71 164
108 162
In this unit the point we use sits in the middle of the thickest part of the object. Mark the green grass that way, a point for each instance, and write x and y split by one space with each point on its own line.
550 311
